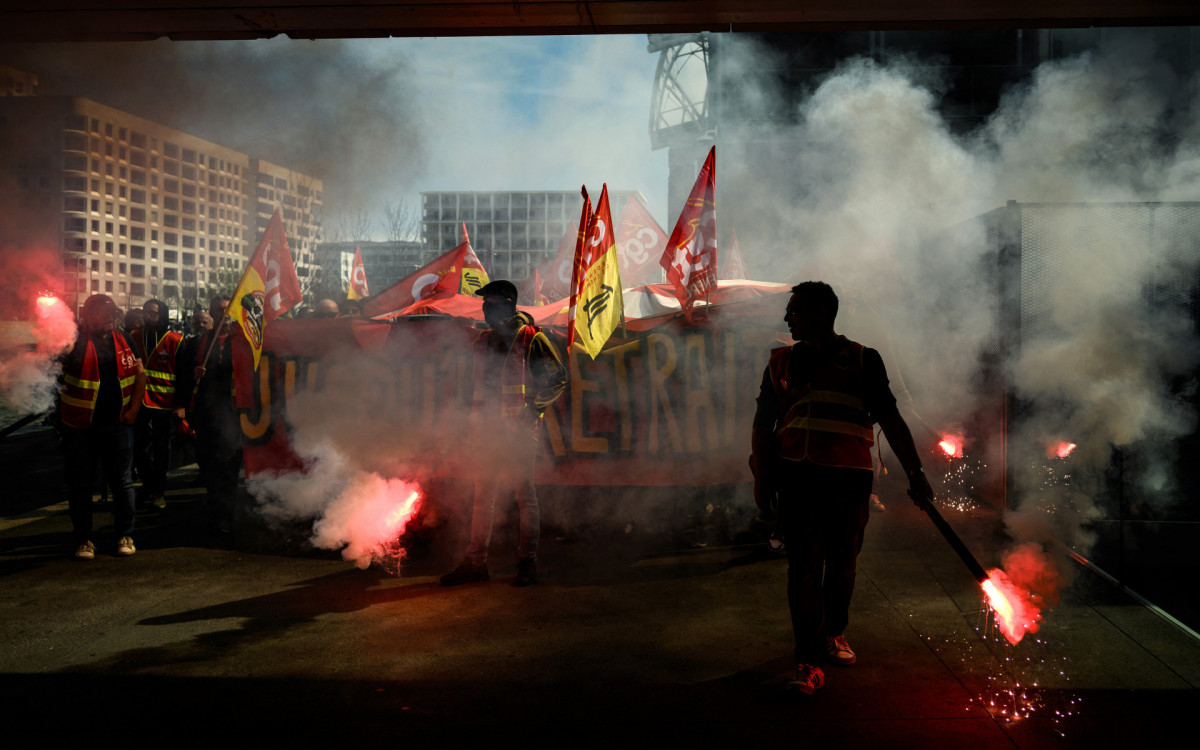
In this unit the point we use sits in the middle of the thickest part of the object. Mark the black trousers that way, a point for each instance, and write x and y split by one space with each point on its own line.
824 513
152 448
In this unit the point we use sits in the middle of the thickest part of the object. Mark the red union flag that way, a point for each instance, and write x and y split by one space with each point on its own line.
690 258
640 242
268 288
556 271
358 277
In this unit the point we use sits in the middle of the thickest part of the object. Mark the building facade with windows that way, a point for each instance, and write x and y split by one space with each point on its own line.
138 209
516 229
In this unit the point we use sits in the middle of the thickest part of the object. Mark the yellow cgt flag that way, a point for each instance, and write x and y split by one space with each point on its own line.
599 306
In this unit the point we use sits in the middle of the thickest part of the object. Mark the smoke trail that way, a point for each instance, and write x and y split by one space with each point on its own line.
870 190
28 365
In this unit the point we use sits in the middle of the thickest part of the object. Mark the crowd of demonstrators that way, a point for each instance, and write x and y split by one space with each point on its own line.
103 384
811 456
518 375
158 348
206 383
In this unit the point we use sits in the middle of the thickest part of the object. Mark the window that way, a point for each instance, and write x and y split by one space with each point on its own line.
75 224
171 150
189 259
108 287
188 172
137 196
137 214
170 256
189 225
137 233
137 252
170 221
171 204
170 274
108 266
170 238
170 185
121 268
189 240
137 270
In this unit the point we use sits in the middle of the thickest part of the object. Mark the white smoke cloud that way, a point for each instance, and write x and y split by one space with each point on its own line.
876 195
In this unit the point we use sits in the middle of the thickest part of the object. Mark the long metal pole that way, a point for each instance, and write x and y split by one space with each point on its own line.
964 554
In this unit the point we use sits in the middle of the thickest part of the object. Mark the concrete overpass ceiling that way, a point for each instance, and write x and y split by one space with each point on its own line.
127 20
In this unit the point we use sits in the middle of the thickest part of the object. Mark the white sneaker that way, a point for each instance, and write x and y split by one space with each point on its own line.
86 551
125 547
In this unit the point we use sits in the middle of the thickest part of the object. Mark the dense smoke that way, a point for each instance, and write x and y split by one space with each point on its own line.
324 108
880 197
29 346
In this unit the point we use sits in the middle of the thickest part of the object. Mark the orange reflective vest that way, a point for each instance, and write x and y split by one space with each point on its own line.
160 368
81 387
824 421
512 378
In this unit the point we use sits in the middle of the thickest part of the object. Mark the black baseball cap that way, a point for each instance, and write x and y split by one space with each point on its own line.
98 300
499 287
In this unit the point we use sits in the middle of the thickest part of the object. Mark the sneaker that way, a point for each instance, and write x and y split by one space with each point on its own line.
808 679
85 551
876 504
839 651
466 572
157 501
125 547
526 573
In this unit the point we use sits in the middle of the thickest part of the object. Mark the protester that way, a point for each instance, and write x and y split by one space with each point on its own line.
158 347
511 359
326 308
811 456
103 384
212 414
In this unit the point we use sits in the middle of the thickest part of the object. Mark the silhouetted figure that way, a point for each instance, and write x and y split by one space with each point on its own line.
811 453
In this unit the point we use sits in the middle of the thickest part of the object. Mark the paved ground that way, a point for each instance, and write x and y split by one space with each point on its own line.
637 636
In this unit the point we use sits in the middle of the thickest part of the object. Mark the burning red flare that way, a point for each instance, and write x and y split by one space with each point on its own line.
952 446
1061 449
1015 612
47 300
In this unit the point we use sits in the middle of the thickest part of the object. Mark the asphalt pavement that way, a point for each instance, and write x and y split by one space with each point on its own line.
652 626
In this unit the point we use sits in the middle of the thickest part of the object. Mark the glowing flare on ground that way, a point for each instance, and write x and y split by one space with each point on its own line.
1016 614
368 518
47 300
1062 449
952 446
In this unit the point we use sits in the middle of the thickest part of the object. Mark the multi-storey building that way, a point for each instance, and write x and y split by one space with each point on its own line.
139 209
518 229
385 263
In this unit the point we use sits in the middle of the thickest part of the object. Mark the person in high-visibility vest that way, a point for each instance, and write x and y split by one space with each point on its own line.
158 347
811 457
103 384
518 375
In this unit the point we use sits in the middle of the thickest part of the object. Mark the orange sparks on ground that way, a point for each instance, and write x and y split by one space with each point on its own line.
951 445
46 300
1015 613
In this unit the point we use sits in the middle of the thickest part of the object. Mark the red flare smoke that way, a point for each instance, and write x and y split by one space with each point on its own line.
952 446
1061 449
1016 613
